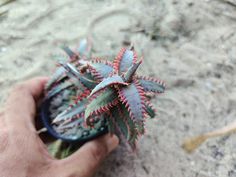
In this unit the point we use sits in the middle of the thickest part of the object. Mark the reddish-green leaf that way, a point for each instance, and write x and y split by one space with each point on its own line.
73 56
119 122
58 88
71 112
113 80
85 79
128 76
101 103
124 60
150 110
100 70
132 96
133 132
152 85
84 48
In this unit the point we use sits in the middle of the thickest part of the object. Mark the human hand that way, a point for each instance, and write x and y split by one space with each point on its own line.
22 152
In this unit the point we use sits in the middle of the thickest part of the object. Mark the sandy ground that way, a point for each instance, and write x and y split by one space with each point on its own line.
189 44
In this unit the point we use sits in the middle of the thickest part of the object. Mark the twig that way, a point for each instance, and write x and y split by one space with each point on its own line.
193 143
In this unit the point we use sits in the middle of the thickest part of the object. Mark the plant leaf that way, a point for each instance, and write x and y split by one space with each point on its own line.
71 112
58 74
88 81
111 124
58 88
100 70
55 148
123 125
65 152
84 48
119 122
124 60
113 80
128 76
133 135
101 103
152 85
69 124
150 110
132 96
70 53
82 94
85 79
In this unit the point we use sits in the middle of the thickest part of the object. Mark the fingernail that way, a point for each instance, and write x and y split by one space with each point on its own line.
112 142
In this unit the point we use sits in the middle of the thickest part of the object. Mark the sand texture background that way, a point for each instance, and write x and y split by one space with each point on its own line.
189 44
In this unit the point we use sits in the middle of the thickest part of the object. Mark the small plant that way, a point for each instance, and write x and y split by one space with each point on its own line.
86 98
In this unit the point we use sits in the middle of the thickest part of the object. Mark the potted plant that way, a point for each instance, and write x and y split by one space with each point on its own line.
86 97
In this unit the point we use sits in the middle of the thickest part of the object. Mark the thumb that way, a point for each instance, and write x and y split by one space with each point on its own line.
85 161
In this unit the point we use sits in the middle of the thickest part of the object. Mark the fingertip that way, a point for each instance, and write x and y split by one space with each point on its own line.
112 141
101 146
96 149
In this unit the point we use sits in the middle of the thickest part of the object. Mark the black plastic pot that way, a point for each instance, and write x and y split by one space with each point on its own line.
45 116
